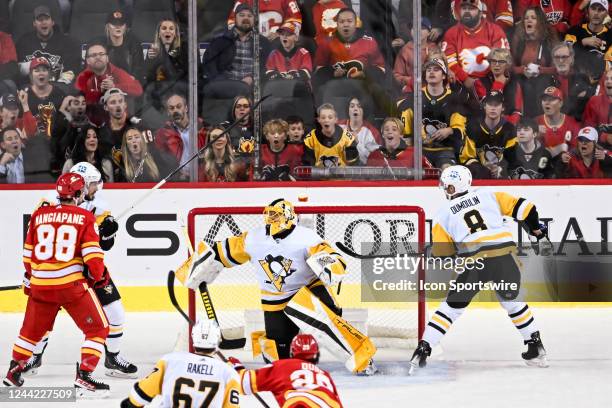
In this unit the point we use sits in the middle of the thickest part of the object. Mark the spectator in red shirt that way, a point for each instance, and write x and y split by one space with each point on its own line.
100 76
501 79
288 61
468 43
43 99
350 53
8 63
26 125
394 152
598 111
586 161
278 157
532 45
557 129
173 138
557 12
324 14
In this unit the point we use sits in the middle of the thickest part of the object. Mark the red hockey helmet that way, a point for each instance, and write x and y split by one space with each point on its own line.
70 185
305 347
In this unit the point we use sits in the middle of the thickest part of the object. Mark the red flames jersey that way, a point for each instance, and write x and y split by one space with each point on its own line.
272 14
557 12
297 60
324 17
278 166
295 384
467 51
496 11
555 136
60 240
362 52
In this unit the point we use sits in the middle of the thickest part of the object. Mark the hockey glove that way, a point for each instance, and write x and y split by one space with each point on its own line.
204 267
235 363
543 232
26 284
92 282
329 268
108 228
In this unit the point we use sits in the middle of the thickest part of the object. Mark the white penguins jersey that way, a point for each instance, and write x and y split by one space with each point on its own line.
280 263
474 222
196 380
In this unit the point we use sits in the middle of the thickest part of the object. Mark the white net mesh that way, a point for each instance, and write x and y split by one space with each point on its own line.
368 231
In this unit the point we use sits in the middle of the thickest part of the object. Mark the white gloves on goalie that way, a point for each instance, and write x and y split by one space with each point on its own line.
204 267
329 268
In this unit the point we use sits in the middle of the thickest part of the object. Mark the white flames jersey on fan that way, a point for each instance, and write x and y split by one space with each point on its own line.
181 376
475 222
280 264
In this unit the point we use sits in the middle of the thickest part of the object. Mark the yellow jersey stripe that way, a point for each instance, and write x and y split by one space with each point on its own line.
92 256
56 266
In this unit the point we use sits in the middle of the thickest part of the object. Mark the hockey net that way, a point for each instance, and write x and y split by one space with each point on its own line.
236 295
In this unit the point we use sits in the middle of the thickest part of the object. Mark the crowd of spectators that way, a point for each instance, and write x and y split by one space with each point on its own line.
512 89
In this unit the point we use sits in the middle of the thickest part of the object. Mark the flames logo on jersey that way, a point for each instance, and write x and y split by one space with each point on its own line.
474 60
278 269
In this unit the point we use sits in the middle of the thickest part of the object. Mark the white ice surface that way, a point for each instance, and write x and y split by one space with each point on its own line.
479 366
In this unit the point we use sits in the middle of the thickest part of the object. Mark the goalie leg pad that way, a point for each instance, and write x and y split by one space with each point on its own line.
200 267
263 346
337 335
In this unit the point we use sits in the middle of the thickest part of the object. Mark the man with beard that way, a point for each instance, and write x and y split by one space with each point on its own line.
44 99
68 124
468 43
61 51
272 15
118 120
228 66
101 76
349 54
173 138
591 39
598 112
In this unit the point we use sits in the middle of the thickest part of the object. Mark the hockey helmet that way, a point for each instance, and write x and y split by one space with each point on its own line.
458 177
206 335
279 216
70 186
305 347
89 173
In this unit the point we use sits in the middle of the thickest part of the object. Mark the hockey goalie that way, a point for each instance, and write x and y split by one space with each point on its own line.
295 270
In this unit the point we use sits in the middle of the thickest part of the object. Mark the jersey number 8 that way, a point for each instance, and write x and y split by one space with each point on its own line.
474 221
59 244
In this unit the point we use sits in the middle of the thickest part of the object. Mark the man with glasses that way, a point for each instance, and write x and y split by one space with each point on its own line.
61 51
100 76
576 87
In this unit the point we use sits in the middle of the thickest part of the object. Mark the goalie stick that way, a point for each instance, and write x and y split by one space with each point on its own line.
226 344
354 254
182 165
13 287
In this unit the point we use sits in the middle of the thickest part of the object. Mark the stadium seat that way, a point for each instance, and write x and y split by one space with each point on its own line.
4 16
22 15
216 110
276 107
212 17
338 92
146 14
88 18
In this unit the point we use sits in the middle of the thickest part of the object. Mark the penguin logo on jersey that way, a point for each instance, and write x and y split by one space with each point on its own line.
278 269
329 161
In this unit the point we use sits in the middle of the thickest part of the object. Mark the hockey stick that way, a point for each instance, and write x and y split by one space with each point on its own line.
255 394
14 287
189 160
354 254
173 299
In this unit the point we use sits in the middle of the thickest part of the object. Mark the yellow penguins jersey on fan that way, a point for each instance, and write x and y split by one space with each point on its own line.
280 263
337 151
98 206
474 224
197 380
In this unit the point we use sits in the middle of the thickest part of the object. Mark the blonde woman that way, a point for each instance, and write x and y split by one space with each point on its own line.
218 162
139 161
167 58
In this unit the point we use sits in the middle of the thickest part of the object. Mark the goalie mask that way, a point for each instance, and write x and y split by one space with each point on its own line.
279 216
455 180
92 177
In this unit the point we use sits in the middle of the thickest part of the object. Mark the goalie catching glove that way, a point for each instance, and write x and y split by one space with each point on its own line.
203 267
329 268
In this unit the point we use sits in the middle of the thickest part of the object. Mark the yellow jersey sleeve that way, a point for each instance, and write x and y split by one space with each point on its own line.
232 251
231 399
443 244
146 389
510 206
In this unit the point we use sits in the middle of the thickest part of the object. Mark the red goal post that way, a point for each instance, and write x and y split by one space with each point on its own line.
232 293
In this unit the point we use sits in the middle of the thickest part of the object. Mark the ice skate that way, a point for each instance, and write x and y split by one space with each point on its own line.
88 387
419 358
370 369
13 376
116 366
535 355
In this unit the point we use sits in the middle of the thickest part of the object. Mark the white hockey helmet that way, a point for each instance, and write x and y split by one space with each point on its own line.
89 173
206 334
458 177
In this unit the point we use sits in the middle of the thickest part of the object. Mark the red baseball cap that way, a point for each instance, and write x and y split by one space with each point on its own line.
288 27
553 92
38 61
